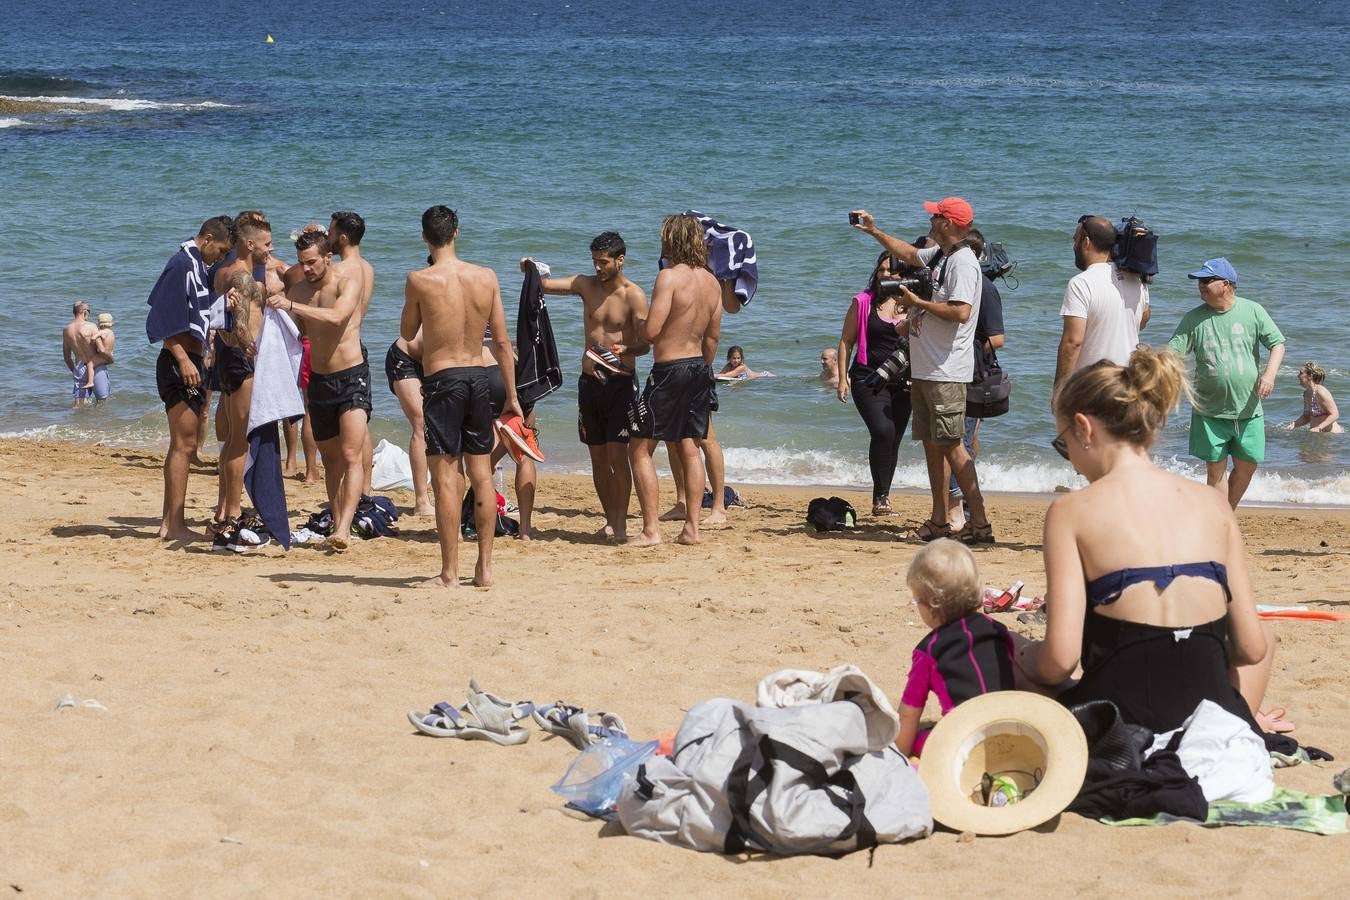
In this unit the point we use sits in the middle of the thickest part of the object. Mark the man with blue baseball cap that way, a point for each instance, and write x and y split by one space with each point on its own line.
1226 333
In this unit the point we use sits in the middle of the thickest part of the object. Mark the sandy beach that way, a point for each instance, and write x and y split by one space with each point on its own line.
255 742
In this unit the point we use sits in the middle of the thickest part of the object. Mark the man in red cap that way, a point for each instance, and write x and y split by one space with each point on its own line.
942 358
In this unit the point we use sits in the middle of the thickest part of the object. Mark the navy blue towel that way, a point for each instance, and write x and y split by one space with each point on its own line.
731 256
180 298
264 483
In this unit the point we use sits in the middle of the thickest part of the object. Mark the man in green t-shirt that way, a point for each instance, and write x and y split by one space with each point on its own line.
1225 334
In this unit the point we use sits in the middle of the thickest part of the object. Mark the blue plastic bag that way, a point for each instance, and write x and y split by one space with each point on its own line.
596 777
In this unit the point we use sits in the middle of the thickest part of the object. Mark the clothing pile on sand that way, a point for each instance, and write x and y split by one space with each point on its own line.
812 767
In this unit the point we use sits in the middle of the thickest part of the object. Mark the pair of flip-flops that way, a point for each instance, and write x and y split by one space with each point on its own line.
578 727
483 717
487 717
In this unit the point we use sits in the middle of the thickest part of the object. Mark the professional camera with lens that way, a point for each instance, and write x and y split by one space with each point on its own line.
919 280
894 369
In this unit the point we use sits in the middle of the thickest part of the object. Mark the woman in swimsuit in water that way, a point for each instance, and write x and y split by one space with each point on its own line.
1147 579
1319 407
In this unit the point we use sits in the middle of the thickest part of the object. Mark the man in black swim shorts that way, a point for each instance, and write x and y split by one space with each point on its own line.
611 306
451 303
683 328
177 318
329 299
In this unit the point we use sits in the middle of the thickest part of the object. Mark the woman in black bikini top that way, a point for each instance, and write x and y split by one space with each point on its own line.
1147 579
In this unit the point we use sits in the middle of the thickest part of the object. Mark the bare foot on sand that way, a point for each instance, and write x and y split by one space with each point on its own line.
688 536
424 510
290 472
311 478
440 581
605 532
179 534
482 576
676 514
713 520
525 536
334 544
644 540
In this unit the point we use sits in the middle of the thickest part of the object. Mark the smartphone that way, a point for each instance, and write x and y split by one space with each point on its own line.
854 218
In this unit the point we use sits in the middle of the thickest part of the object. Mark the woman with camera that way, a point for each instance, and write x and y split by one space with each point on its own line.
877 325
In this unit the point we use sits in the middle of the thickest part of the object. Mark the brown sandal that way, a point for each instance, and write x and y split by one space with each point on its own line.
976 534
931 531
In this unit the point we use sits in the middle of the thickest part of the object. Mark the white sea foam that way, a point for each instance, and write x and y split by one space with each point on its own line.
122 104
11 123
787 466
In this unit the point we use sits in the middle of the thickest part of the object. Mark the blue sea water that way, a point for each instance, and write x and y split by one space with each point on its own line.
1222 125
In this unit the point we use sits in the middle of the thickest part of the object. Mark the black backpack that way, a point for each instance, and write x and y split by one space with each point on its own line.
468 528
1136 249
834 514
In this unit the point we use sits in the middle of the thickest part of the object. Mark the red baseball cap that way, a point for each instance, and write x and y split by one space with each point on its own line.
958 211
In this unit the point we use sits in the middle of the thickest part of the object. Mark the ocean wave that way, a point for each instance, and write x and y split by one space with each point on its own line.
11 123
788 466
119 104
36 83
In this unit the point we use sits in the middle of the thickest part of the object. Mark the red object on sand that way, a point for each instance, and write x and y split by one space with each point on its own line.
1312 615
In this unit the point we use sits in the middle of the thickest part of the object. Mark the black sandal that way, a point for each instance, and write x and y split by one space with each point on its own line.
931 531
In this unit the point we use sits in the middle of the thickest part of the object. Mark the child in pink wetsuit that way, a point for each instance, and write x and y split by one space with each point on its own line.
965 655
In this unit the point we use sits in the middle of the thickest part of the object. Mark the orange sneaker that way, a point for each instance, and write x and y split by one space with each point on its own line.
520 438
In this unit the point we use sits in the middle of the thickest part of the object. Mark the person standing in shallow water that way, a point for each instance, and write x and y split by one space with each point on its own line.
76 339
1226 333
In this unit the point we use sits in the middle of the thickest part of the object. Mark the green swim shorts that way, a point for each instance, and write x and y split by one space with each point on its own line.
1214 439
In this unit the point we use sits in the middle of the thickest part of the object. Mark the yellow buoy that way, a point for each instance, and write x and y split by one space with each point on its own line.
269 40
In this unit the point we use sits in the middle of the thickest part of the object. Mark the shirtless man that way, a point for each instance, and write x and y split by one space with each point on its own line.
177 317
329 301
682 327
345 230
235 348
451 302
76 343
612 306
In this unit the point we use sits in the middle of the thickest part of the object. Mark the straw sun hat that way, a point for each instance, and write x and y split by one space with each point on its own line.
1019 737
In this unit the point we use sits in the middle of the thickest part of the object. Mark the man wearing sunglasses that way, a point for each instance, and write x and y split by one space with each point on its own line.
1226 333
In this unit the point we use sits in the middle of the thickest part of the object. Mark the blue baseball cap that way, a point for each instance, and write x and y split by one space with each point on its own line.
1217 268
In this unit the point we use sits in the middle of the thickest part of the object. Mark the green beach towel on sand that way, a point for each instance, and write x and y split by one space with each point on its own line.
1295 810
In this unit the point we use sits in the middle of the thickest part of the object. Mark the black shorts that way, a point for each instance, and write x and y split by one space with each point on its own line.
399 365
233 365
497 393
602 409
172 390
457 410
676 401
330 395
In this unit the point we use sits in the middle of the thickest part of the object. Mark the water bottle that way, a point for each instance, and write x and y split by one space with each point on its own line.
499 479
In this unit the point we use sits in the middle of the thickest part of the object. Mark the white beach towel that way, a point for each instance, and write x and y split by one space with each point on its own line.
276 372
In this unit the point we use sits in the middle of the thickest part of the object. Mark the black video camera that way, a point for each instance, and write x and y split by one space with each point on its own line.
919 280
894 369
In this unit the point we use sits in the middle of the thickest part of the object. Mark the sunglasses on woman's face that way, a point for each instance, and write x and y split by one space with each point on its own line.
1061 446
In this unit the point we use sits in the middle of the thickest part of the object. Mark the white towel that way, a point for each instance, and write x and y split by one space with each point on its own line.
276 372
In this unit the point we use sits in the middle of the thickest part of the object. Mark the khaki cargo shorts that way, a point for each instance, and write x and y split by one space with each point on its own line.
939 412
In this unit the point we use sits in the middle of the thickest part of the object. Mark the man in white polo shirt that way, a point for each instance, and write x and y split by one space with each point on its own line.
942 358
1104 306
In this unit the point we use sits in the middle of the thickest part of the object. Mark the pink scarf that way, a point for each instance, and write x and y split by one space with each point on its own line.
864 300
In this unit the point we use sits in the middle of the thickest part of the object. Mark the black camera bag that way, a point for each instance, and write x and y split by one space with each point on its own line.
987 395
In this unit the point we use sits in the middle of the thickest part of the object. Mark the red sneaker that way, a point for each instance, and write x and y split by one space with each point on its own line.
520 438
